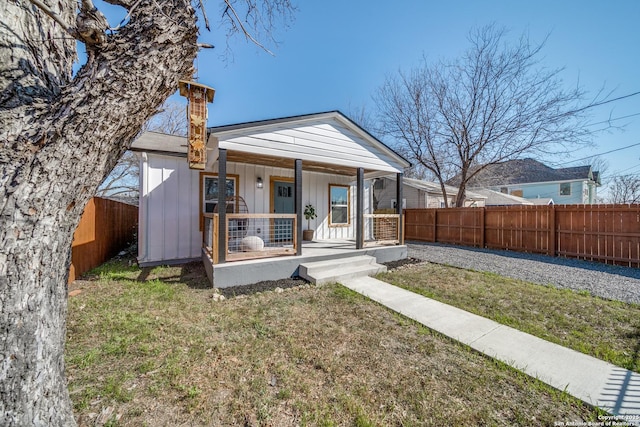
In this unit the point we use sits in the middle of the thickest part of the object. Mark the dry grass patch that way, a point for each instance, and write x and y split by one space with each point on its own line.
608 330
158 351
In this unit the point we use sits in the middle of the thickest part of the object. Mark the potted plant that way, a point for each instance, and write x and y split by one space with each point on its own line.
309 214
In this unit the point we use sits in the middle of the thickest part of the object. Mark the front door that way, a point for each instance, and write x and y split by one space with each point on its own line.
283 203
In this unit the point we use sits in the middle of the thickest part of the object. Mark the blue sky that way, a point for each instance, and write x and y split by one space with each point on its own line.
337 53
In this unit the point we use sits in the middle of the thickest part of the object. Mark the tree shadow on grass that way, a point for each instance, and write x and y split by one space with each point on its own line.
191 274
620 395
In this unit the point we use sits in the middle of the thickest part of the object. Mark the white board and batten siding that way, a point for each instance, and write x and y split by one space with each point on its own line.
169 211
170 205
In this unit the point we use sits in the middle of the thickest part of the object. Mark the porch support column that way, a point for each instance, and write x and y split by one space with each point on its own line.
222 206
399 207
298 205
360 208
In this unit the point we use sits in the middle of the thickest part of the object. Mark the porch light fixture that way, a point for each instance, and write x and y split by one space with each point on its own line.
259 183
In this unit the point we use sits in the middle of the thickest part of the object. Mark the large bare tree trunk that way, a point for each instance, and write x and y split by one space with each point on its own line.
59 137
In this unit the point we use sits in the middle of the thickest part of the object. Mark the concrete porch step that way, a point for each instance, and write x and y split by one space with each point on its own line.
335 270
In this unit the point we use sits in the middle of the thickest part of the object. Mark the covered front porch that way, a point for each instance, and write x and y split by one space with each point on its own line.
249 271
321 160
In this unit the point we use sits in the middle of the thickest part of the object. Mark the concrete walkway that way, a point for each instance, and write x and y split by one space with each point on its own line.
614 389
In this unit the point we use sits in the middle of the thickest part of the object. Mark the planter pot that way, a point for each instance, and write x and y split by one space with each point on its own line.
307 235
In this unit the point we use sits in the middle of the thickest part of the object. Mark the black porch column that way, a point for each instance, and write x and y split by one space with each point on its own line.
222 206
298 205
399 207
360 208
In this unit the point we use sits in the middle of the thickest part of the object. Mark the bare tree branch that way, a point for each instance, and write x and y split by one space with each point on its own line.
235 19
625 189
257 19
204 15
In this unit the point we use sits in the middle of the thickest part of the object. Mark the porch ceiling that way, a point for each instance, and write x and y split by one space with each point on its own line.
257 159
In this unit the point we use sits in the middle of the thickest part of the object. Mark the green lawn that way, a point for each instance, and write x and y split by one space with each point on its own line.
151 347
608 330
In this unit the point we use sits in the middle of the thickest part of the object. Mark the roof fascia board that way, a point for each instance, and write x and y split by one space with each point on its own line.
159 152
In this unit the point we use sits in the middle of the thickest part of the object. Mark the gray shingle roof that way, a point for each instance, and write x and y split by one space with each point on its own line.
522 171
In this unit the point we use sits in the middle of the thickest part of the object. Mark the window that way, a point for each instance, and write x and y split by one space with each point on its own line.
504 190
518 193
565 189
339 204
209 191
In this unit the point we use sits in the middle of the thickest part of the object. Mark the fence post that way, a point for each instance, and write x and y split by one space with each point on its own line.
482 213
551 250
435 225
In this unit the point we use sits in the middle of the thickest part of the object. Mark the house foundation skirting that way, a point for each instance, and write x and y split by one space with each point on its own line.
258 270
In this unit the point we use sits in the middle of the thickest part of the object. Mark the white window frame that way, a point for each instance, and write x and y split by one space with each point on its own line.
333 205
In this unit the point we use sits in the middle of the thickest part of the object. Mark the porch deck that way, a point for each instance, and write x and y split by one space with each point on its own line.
256 270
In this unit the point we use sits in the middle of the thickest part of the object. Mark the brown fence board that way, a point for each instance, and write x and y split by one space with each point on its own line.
105 228
603 233
519 228
420 224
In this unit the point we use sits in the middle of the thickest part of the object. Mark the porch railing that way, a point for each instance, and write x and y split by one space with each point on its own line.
251 236
210 236
381 229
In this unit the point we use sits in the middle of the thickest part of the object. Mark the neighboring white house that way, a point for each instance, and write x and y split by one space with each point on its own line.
532 179
419 194
495 198
542 201
261 160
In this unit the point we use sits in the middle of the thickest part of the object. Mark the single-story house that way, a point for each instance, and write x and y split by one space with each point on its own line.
418 194
542 201
272 170
496 198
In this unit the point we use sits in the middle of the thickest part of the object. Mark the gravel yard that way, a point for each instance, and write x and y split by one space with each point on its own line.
606 281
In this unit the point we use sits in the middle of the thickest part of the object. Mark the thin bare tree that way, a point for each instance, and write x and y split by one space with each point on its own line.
494 103
171 119
122 182
625 189
60 135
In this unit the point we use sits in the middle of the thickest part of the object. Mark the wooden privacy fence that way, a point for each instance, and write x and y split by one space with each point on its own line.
105 228
603 233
